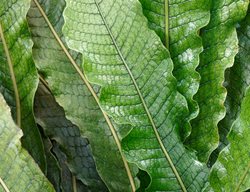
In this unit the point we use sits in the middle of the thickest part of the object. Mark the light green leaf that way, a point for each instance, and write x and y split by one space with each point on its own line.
18 75
79 156
177 23
78 98
231 172
18 171
135 71
237 79
220 47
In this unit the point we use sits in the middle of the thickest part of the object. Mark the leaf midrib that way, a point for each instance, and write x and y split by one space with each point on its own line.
4 185
13 78
166 23
82 76
143 102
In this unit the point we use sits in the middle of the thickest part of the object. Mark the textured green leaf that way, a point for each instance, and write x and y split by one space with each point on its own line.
237 79
18 75
231 172
52 118
68 182
18 171
220 47
79 100
177 24
135 71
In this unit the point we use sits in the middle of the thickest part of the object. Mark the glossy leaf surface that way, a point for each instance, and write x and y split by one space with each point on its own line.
135 71
60 68
177 23
220 47
231 172
237 79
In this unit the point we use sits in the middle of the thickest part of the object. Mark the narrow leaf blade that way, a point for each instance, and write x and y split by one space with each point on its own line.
236 81
18 171
18 75
177 24
231 172
79 158
220 47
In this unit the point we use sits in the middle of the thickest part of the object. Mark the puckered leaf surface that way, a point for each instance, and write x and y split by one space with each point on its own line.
68 182
237 79
18 171
18 75
53 169
52 118
79 100
220 47
231 172
177 24
135 71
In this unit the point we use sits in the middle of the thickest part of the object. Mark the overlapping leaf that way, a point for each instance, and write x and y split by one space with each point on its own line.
220 47
135 71
79 157
231 172
79 100
68 182
18 171
237 79
18 76
177 24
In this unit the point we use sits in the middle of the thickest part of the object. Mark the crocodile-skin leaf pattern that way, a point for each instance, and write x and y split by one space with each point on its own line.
79 104
231 172
177 23
68 183
237 79
18 171
52 118
53 170
220 47
135 71
15 43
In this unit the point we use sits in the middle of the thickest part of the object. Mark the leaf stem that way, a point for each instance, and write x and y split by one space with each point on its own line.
4 186
74 183
112 129
237 189
167 24
144 105
13 78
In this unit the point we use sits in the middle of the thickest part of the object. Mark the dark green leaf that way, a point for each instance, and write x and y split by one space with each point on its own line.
53 168
79 157
68 182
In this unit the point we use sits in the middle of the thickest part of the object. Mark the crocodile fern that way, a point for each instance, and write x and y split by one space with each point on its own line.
124 100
